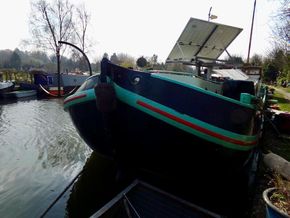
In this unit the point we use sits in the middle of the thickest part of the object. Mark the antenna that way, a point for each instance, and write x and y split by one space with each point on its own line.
211 16
209 13
250 41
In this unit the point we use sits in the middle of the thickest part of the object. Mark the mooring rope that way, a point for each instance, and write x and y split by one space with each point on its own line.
62 193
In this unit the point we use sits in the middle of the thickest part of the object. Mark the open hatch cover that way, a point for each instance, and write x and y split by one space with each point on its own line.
202 41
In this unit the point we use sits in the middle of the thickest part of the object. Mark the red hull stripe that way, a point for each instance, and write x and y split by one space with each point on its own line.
55 92
195 127
74 98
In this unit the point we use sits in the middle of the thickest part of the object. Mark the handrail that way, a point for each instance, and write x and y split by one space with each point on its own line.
87 59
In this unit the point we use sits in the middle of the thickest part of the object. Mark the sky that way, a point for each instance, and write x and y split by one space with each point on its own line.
143 28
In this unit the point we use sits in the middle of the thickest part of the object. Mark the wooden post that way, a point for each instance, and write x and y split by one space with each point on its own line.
58 71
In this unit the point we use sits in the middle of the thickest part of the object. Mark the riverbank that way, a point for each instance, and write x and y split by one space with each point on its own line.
282 95
284 91
270 142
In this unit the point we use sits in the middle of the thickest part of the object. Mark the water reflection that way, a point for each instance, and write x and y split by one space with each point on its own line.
220 193
40 152
95 187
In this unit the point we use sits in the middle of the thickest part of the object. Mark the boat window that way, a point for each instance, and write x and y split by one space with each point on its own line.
49 80
89 83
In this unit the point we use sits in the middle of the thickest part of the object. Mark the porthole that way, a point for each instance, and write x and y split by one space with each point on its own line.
136 80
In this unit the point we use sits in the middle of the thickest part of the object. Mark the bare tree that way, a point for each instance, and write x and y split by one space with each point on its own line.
281 29
81 23
51 22
126 60
80 26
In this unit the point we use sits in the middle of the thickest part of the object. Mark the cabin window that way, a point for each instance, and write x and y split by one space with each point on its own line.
89 83
49 80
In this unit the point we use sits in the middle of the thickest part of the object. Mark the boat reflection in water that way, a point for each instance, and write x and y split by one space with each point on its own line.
95 187
103 179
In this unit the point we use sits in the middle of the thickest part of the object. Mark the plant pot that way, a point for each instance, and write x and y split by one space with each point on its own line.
271 210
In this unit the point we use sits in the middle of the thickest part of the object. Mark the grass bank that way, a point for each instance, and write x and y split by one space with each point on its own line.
283 103
286 89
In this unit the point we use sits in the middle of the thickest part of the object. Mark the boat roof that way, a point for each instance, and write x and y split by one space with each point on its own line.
202 41
235 74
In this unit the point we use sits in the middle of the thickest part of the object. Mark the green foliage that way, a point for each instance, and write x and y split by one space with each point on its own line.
270 73
114 59
125 60
17 76
142 62
159 66
5 57
287 89
256 60
235 60
277 65
15 61
20 60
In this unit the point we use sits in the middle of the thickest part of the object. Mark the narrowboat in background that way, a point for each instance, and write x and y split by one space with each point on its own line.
6 86
47 83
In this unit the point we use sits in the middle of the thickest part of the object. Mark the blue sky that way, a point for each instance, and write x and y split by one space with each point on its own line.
150 27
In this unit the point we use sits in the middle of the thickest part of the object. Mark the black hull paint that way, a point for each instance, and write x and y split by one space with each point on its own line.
139 140
89 124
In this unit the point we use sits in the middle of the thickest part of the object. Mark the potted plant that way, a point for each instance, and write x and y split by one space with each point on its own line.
277 198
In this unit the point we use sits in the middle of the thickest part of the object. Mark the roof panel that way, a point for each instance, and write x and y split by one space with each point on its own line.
203 40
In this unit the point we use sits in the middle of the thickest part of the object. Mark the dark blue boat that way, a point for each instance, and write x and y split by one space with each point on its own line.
19 94
47 83
154 119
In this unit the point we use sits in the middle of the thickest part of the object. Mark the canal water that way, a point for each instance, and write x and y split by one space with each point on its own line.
40 153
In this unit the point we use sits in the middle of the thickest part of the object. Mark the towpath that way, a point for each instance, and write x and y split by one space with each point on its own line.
283 92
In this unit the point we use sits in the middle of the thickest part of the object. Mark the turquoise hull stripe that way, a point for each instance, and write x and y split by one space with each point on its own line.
89 95
132 98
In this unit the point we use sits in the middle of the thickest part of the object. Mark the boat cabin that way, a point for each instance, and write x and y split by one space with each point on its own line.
201 44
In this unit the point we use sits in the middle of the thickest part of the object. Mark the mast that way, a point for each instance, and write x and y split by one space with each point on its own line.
209 14
250 41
